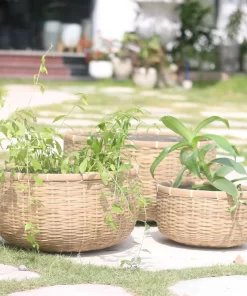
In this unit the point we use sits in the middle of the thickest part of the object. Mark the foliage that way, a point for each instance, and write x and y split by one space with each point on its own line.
233 26
34 151
145 52
195 35
97 56
192 157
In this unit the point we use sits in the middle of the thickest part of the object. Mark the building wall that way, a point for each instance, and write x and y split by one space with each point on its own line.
112 18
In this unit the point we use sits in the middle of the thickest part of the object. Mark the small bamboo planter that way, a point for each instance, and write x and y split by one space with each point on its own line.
69 210
149 147
200 218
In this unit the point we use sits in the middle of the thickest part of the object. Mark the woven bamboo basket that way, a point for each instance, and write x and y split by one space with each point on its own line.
69 210
149 147
200 218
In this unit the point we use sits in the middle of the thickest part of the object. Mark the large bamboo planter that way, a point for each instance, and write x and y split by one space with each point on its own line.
149 147
69 210
200 218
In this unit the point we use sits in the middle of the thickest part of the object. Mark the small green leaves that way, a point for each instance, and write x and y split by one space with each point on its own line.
21 187
147 227
83 166
28 226
58 118
109 221
36 165
125 167
116 209
38 180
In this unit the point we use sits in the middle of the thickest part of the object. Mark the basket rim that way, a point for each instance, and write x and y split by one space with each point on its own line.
65 177
77 137
166 187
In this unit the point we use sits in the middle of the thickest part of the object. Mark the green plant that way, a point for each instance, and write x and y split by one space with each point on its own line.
97 56
195 36
145 52
192 157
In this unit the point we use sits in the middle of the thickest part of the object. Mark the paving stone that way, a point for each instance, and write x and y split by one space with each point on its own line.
185 105
75 290
8 272
149 93
216 286
70 122
117 90
165 254
225 113
172 97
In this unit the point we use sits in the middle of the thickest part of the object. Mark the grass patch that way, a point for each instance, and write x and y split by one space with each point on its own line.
56 270
232 90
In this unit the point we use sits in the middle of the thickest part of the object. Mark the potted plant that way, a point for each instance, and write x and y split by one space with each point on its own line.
122 63
52 25
122 66
84 201
148 61
207 213
100 65
148 145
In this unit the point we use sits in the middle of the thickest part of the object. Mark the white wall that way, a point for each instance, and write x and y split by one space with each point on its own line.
113 18
226 8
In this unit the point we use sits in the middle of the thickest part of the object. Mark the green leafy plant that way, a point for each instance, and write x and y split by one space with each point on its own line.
192 157
195 36
145 52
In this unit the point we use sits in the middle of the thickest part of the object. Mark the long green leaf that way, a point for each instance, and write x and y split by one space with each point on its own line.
238 167
83 166
191 164
208 121
177 127
58 118
222 171
227 186
204 150
164 153
179 177
221 142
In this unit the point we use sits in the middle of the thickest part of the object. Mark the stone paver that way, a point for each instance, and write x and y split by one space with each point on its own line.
19 97
234 132
216 286
225 113
75 290
172 97
117 90
165 254
8 272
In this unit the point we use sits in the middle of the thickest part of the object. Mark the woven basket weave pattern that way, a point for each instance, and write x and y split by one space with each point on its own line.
70 215
201 221
144 157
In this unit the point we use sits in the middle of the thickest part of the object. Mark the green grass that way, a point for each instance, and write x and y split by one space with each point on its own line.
233 90
56 270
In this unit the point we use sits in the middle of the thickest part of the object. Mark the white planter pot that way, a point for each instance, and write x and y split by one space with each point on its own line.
122 68
51 34
100 69
71 34
145 77
187 84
